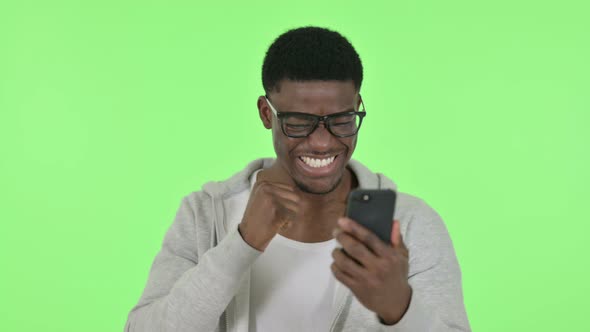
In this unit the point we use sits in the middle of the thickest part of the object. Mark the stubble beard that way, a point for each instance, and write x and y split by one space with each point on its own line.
306 189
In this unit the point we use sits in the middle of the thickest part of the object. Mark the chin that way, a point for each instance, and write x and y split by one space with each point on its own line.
318 187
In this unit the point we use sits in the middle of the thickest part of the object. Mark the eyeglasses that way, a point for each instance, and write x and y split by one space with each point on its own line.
298 125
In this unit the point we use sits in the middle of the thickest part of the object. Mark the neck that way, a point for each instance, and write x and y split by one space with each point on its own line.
339 195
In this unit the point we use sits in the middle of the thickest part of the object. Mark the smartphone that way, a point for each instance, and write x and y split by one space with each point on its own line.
374 210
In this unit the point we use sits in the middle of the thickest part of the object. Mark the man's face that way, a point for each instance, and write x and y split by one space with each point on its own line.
295 155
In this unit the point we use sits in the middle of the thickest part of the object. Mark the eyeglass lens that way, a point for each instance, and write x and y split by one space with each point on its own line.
299 125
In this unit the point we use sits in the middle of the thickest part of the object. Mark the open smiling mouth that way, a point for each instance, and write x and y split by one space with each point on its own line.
317 162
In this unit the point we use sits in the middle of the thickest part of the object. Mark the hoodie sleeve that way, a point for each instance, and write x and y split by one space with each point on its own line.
186 292
435 277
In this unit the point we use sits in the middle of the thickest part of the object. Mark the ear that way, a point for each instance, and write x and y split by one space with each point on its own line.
264 112
358 103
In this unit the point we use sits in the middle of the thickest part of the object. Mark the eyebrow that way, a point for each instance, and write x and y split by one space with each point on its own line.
309 114
351 109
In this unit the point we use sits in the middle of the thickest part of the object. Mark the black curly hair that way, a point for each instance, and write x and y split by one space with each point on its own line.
311 53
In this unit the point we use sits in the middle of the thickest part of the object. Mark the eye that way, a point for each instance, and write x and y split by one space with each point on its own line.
347 123
297 128
293 125
298 121
344 120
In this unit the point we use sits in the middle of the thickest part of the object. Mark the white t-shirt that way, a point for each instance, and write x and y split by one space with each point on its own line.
292 286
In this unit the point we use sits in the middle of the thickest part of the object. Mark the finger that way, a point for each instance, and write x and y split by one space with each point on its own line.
337 230
364 235
348 265
267 176
289 195
397 239
283 186
288 211
264 183
269 189
285 225
288 205
341 276
354 248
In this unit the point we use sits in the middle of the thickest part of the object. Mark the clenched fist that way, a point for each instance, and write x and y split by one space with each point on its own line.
271 207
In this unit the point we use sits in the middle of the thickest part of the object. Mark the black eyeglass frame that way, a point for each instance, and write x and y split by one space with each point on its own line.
318 119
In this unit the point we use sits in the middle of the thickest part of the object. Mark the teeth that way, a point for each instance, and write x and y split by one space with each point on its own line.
315 163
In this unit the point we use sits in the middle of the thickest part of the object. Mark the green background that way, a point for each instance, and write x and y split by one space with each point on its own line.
111 112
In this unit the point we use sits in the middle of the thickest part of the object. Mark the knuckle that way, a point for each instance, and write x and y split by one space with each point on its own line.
335 269
357 248
264 188
351 264
341 237
336 254
369 238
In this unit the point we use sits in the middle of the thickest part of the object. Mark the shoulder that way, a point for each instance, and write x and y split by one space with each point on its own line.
419 221
238 182
424 233
411 207
204 204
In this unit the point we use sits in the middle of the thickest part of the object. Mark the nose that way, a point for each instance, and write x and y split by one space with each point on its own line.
320 139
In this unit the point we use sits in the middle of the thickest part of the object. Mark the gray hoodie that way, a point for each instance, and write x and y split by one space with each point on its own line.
200 279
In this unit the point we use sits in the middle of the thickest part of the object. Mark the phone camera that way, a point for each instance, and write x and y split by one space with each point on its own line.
366 197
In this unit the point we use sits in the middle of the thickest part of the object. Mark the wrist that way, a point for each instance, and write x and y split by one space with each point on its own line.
394 316
252 243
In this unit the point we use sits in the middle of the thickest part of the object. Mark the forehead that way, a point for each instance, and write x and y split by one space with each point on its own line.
315 96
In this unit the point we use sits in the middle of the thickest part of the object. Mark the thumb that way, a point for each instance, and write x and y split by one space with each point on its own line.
396 235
